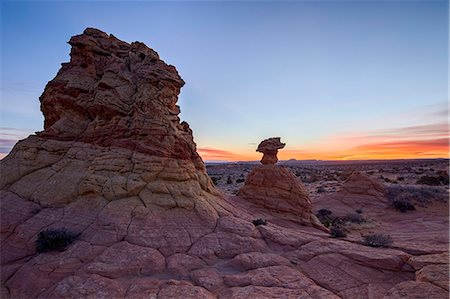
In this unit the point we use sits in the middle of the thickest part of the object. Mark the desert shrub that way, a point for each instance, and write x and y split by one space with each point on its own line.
240 180
400 178
229 180
320 189
325 216
403 205
35 211
354 218
359 211
387 180
259 221
337 232
215 180
439 180
419 195
324 212
377 240
54 239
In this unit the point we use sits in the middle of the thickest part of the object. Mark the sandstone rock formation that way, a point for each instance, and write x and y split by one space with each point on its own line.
278 189
358 183
115 166
269 148
359 191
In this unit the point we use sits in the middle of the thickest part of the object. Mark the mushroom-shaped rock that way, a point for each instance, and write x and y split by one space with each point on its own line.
269 148
277 189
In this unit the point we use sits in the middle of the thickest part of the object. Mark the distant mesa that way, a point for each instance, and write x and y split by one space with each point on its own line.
269 148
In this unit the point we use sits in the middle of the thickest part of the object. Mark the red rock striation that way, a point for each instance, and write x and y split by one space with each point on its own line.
112 93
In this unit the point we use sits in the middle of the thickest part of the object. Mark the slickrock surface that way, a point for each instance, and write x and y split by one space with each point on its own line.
269 148
115 165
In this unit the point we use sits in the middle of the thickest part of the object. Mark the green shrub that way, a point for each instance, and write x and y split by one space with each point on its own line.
54 239
377 240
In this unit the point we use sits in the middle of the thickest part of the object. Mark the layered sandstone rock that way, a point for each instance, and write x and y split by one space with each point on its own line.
269 148
359 183
115 166
278 189
359 191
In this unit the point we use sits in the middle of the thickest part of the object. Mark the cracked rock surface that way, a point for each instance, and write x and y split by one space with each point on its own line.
115 165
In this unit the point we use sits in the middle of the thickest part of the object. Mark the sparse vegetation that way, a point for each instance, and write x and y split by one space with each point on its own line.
418 195
325 216
337 232
377 240
354 218
439 180
54 239
324 212
320 189
259 221
35 211
240 180
215 180
359 211
229 180
403 205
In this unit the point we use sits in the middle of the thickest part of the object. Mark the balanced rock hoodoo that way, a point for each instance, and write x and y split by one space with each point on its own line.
278 189
269 148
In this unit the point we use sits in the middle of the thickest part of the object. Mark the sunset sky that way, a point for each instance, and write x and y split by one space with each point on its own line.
335 80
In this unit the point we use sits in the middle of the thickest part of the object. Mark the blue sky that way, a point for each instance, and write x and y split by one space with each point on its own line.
308 71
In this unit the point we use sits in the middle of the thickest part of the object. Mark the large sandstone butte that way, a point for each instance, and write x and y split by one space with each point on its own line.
115 166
